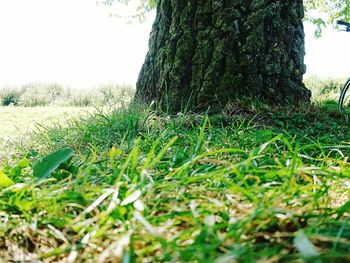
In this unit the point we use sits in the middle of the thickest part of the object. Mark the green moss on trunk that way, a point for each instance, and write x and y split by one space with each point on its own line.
207 53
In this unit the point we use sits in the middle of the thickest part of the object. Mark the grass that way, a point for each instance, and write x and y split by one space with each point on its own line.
324 89
253 184
18 122
53 94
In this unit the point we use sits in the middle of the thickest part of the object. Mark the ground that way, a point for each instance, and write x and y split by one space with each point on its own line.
251 184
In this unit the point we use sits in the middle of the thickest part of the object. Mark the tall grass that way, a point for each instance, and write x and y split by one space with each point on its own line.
324 89
32 95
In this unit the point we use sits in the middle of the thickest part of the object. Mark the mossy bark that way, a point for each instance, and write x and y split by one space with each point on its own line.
206 53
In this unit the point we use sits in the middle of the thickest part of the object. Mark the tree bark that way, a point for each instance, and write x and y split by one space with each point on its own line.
206 53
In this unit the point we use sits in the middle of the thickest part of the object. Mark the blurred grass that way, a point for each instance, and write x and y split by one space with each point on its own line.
324 89
17 121
41 94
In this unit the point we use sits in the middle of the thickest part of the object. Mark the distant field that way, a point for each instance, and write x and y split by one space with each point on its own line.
17 121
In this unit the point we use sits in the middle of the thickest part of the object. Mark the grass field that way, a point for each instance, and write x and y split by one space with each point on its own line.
18 122
252 184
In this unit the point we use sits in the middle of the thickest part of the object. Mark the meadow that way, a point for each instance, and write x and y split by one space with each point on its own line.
53 94
19 121
251 184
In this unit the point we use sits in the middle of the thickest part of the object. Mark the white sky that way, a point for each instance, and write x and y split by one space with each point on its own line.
77 43
328 56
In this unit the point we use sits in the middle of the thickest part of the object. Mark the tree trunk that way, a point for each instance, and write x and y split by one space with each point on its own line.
206 53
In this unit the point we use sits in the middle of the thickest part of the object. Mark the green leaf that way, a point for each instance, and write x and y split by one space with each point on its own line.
72 197
23 163
343 209
48 164
5 181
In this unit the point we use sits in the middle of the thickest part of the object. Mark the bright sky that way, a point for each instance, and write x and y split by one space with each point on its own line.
77 43
328 56
74 42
